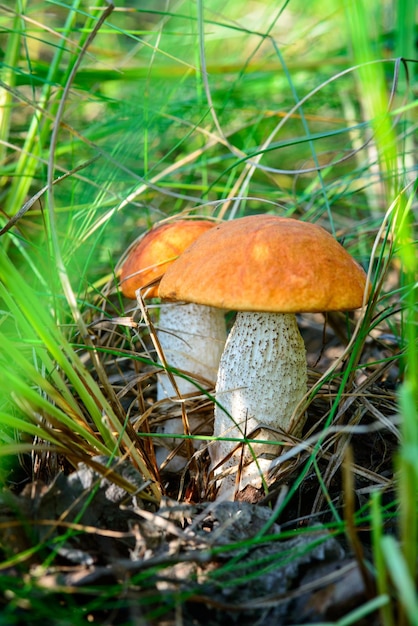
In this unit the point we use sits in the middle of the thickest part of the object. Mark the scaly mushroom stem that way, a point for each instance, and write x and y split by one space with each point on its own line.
261 379
192 337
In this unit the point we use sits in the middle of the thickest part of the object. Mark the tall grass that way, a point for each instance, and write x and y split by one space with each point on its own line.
112 120
400 558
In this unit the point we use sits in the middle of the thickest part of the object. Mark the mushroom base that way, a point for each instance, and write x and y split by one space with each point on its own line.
262 378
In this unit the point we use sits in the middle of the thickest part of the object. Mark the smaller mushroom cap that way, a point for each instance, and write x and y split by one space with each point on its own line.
155 251
266 263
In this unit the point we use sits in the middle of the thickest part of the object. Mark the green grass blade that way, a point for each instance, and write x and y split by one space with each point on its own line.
401 578
8 79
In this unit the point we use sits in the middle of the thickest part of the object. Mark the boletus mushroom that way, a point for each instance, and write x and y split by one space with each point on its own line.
267 268
192 336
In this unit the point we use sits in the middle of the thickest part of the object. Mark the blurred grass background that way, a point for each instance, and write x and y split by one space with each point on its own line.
177 103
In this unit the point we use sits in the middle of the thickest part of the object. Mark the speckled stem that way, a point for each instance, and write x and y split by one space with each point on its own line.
192 338
261 379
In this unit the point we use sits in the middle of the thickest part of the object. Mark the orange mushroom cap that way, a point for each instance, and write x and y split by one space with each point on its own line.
155 252
266 263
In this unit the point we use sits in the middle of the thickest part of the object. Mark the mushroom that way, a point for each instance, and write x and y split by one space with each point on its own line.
191 336
267 268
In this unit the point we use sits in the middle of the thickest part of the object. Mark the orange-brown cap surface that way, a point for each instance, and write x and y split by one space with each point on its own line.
266 263
154 253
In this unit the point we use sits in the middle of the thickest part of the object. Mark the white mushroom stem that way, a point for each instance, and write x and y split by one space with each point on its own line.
262 377
192 338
